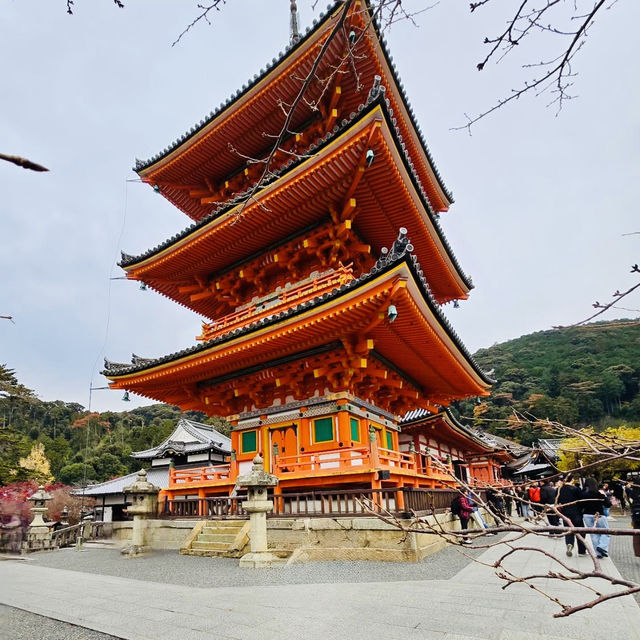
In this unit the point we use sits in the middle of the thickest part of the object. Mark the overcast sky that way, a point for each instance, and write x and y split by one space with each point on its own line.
541 201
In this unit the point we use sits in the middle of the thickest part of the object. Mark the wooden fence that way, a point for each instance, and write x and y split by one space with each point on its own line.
326 503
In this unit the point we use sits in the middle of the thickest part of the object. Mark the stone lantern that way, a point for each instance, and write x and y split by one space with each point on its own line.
39 533
258 505
144 505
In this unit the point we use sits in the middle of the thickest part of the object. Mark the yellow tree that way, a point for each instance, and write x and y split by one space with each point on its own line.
37 464
609 446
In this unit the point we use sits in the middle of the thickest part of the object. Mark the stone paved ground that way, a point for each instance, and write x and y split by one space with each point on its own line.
471 605
621 552
170 567
17 624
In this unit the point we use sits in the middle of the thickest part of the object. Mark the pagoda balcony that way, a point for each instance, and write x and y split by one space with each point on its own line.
333 461
199 476
278 301
348 462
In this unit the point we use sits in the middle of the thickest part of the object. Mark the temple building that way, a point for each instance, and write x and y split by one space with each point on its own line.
317 258
190 445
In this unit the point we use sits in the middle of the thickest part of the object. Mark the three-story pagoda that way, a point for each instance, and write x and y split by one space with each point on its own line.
321 268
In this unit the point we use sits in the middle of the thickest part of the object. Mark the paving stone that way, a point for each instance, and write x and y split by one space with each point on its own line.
308 602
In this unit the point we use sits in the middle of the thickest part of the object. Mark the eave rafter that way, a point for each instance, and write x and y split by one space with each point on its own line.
326 247
331 372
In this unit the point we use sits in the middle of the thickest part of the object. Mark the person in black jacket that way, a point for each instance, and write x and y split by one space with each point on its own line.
593 505
634 495
548 497
569 504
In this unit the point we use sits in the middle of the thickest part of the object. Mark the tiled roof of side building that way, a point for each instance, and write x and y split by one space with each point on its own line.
374 100
205 437
423 414
158 476
140 165
401 251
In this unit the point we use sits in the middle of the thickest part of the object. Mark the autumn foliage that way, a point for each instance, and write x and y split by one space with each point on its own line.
14 501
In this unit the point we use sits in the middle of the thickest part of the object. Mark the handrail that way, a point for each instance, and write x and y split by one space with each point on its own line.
199 474
335 278
322 460
323 503
397 458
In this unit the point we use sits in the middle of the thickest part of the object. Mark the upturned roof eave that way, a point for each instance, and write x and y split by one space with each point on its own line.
191 427
131 263
448 417
146 167
383 267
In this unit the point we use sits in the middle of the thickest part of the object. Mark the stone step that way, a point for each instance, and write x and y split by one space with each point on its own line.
228 538
219 532
100 544
224 524
210 546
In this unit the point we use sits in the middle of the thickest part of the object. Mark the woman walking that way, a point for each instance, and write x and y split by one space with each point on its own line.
593 506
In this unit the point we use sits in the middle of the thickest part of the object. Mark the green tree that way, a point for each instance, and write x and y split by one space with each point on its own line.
75 473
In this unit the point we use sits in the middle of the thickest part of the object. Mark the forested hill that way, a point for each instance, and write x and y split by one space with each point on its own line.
69 436
587 375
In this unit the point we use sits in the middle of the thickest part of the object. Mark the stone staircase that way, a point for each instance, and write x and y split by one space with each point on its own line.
221 538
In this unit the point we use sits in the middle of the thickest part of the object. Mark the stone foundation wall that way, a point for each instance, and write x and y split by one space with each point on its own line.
315 539
160 534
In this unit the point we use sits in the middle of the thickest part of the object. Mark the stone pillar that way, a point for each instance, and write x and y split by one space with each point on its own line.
258 505
39 534
144 505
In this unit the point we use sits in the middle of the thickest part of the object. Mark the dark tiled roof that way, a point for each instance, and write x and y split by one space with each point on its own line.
401 251
317 24
205 438
375 99
422 414
158 476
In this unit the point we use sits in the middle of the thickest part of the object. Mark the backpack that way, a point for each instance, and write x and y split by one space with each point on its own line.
456 506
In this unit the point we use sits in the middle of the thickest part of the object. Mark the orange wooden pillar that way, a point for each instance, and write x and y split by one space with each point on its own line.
373 449
400 496
233 465
344 427
277 499
201 502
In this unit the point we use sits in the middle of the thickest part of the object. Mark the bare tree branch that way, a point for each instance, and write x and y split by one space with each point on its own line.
540 16
23 162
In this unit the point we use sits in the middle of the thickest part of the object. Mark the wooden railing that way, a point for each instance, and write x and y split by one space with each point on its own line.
198 474
325 503
330 460
210 507
284 298
400 459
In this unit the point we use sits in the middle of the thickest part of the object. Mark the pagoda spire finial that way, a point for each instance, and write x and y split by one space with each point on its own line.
295 34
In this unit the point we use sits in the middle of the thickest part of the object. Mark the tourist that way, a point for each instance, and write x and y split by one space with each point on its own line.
593 504
534 498
635 517
570 495
523 501
618 492
508 500
477 516
548 498
628 490
606 491
460 507
496 505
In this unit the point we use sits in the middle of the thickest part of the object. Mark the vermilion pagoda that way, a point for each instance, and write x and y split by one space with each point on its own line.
318 337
